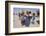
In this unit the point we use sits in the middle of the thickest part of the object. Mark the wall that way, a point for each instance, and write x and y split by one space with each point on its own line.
2 18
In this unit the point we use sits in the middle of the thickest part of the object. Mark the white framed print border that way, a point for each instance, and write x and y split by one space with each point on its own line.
14 10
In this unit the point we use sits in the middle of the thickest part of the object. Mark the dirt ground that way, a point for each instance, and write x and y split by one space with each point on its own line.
17 22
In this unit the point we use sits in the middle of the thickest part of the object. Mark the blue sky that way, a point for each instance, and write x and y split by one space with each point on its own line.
31 9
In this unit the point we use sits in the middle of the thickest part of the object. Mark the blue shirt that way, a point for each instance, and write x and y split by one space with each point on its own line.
27 21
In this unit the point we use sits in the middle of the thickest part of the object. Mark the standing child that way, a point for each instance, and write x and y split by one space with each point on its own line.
27 21
30 15
33 18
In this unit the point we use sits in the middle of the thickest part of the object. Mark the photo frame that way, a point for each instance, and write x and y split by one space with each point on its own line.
24 17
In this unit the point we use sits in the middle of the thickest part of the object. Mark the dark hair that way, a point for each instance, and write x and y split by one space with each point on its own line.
38 14
29 12
33 14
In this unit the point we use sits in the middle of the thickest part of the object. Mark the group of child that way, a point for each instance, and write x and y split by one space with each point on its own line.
26 18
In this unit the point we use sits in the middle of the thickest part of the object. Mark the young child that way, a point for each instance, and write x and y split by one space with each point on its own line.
22 18
30 15
27 21
33 18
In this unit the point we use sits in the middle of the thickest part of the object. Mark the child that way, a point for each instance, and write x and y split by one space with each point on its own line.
27 21
22 19
33 18
30 15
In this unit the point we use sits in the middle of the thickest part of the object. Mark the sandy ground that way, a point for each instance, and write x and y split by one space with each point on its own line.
17 23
